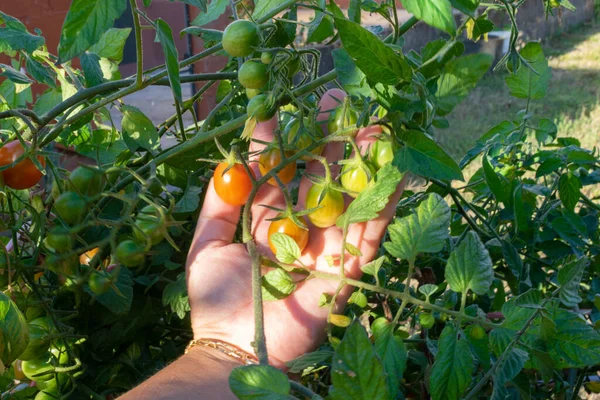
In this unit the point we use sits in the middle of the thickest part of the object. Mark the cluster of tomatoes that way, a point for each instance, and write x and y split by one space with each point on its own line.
324 201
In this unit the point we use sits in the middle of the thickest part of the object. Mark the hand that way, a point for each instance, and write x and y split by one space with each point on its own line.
219 272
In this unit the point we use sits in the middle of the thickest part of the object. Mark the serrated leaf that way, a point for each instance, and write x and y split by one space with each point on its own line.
569 278
92 71
164 35
353 80
286 249
342 321
373 199
299 364
470 266
111 44
259 381
376 59
86 22
390 348
423 231
437 13
453 366
459 77
175 296
216 8
525 83
277 284
569 190
14 331
422 156
138 130
356 371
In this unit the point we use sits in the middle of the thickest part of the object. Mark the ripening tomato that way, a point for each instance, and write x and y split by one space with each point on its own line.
288 226
355 178
233 185
240 38
272 158
258 108
71 207
253 75
23 175
301 135
87 181
342 118
331 206
130 253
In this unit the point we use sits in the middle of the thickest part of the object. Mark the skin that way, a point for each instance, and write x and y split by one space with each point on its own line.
220 292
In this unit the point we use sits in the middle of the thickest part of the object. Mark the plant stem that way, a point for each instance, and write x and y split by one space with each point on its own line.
138 44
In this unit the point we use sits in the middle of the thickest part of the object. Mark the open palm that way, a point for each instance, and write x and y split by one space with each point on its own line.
219 272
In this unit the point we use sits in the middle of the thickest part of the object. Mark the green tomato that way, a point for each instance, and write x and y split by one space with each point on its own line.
129 253
71 207
240 38
342 119
300 135
258 108
253 75
331 206
382 152
87 181
355 178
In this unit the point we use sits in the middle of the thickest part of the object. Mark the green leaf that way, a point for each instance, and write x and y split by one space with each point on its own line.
14 331
373 199
422 156
287 250
467 7
437 13
470 266
528 84
353 80
14 75
460 76
569 190
164 35
138 130
263 7
40 72
189 201
356 371
423 231
85 24
379 61
453 366
391 351
175 296
307 360
569 278
259 382
118 303
92 71
277 284
14 37
509 367
215 10
111 44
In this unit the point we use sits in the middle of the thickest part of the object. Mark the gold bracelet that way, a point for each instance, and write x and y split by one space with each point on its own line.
226 348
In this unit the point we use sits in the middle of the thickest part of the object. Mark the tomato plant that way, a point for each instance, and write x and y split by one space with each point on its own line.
232 183
23 174
271 159
484 285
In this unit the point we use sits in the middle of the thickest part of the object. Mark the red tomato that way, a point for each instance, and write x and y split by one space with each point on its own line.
288 227
23 175
233 186
272 158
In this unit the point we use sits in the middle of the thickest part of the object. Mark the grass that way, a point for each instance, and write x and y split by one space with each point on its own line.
573 99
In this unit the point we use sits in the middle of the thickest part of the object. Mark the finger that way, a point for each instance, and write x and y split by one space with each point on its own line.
332 152
268 194
217 223
367 236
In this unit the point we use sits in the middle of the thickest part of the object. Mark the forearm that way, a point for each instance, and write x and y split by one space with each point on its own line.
202 373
